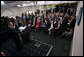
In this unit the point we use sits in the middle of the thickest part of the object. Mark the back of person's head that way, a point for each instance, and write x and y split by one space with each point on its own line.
25 13
51 20
4 23
22 14
17 17
36 13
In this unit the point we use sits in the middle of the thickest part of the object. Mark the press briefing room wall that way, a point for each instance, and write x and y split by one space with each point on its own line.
77 43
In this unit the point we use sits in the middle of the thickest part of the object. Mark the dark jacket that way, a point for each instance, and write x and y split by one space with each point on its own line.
72 24
55 24
15 35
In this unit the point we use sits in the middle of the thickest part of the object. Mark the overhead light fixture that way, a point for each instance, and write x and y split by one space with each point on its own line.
40 2
24 4
32 3
18 5
2 3
27 12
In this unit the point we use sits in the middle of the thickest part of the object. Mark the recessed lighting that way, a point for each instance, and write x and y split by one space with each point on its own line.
18 5
40 2
24 4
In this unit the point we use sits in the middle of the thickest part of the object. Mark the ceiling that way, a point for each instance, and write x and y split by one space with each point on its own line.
18 2
15 3
6 2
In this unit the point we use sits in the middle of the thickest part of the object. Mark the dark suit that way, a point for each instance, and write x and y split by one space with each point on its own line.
64 24
54 31
15 35
72 24
47 26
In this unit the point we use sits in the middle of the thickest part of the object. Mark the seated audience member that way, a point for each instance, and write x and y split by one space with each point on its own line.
22 15
55 23
61 20
66 15
74 12
61 15
23 18
68 34
63 10
32 15
57 29
42 25
35 19
33 24
47 26
51 27
16 25
20 23
12 20
38 24
73 20
26 18
45 14
29 23
64 24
